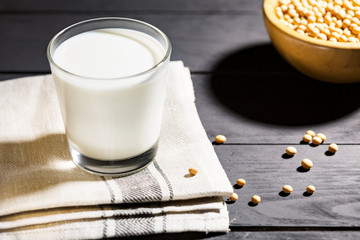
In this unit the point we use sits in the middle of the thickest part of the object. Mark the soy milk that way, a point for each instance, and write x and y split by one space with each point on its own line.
102 90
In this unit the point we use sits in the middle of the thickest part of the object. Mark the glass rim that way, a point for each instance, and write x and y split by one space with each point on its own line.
157 65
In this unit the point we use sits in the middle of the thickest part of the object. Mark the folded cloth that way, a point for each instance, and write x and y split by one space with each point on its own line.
211 204
44 195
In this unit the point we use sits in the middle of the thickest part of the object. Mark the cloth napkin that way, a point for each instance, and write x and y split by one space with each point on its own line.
43 195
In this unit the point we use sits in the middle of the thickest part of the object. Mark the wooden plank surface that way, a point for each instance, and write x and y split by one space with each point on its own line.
276 108
200 40
271 235
266 169
218 118
138 5
237 99
245 91
5 77
335 203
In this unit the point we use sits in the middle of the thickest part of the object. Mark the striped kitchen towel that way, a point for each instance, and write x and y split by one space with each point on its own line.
45 196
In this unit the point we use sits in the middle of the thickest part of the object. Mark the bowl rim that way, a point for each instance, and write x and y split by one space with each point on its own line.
269 13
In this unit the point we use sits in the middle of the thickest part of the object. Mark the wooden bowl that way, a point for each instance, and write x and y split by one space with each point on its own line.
335 62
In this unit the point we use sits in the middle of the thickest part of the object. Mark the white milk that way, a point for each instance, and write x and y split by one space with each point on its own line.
107 114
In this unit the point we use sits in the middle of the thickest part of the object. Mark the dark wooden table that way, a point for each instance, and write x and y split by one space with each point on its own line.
245 91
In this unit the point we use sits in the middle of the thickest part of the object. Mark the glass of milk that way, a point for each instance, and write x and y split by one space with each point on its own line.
110 76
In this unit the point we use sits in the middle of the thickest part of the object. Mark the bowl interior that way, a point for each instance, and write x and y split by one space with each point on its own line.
269 13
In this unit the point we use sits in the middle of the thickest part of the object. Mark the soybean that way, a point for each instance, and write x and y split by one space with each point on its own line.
307 138
291 151
287 189
307 163
316 140
233 197
322 136
310 189
311 133
333 148
241 182
220 139
193 171
322 18
256 199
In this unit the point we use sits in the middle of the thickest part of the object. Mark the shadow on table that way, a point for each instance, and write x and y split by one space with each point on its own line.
258 84
178 236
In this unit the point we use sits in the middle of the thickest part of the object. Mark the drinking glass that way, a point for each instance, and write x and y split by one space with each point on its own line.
112 124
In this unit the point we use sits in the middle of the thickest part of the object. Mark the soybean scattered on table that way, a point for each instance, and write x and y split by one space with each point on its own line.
310 189
307 163
241 182
287 189
233 197
220 139
311 133
307 138
333 148
317 140
291 151
256 199
322 136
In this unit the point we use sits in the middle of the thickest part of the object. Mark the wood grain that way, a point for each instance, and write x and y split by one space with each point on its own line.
276 108
339 120
139 5
200 40
266 169
245 91
271 235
